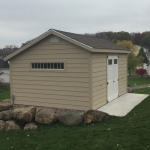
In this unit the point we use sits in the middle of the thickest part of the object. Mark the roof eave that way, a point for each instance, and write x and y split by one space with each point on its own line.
26 46
111 51
51 31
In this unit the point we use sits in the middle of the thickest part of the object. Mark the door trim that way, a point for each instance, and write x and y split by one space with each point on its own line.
112 77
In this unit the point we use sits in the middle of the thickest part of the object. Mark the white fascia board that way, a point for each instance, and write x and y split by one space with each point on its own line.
51 31
110 51
27 45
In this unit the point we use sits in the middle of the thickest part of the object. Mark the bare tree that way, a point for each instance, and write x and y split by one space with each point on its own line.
8 49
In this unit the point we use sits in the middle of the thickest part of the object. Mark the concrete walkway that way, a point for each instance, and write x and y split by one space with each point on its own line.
123 104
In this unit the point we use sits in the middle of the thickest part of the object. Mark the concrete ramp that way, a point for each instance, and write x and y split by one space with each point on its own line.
123 104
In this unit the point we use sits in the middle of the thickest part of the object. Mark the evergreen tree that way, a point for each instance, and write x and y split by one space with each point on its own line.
142 53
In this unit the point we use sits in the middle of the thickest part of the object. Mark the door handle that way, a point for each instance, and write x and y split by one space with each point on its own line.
113 81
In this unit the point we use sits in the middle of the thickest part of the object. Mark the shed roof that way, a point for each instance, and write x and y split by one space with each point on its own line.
3 64
90 43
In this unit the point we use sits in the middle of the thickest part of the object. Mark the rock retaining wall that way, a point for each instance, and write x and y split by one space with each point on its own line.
14 117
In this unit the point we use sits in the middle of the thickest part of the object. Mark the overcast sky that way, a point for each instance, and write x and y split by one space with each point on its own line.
22 20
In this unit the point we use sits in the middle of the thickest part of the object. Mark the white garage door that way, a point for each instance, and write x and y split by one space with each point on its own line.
112 78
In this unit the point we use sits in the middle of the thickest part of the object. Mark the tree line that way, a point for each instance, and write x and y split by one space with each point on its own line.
137 38
8 49
125 39
130 40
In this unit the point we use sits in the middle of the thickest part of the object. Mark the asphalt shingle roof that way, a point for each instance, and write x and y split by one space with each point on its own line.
92 41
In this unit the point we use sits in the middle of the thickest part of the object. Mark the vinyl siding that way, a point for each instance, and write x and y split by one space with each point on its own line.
122 68
99 76
68 88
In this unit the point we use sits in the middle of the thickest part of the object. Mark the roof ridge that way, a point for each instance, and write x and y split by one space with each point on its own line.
89 36
85 41
76 33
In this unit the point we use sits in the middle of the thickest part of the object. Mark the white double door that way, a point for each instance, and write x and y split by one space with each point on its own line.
112 78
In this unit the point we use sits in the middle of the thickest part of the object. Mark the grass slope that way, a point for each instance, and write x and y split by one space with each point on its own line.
138 80
117 133
4 94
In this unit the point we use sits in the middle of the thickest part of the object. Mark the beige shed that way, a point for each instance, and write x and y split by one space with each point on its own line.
66 70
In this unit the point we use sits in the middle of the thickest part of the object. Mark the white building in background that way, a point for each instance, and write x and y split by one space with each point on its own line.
148 65
4 71
137 52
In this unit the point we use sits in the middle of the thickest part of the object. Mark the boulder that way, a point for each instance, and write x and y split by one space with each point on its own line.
26 114
2 125
11 125
6 115
5 106
30 126
95 115
130 90
46 116
70 118
6 101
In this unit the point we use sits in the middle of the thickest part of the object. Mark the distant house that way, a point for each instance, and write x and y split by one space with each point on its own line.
148 65
4 71
137 52
67 70
138 49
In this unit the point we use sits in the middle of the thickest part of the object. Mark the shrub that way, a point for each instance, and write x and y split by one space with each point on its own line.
141 71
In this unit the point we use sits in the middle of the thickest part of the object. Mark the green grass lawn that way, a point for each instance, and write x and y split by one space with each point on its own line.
138 80
4 94
117 133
